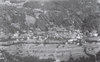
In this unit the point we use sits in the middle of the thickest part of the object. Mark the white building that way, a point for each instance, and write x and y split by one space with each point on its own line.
94 33
16 35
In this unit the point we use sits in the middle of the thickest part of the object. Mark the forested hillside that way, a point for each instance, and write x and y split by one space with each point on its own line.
80 14
83 14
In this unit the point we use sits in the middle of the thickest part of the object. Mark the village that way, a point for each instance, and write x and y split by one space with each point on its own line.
56 43
54 33
48 33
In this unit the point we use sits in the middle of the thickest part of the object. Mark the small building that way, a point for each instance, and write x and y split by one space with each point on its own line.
94 33
57 60
16 35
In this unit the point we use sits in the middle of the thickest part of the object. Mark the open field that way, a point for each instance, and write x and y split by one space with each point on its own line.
92 38
47 51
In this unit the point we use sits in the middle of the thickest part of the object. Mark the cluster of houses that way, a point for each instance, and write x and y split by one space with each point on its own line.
58 32
39 35
26 36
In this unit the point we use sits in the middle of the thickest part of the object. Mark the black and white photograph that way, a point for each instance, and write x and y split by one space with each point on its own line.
49 30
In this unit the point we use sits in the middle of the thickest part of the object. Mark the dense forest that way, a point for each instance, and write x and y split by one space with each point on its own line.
81 14
85 14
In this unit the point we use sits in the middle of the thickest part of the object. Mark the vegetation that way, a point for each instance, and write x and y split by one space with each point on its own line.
81 59
71 14
11 58
80 14
85 14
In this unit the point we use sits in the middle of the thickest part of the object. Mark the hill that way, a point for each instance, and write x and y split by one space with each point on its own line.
80 14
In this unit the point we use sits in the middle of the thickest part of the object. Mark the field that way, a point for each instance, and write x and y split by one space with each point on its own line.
93 38
49 50
62 52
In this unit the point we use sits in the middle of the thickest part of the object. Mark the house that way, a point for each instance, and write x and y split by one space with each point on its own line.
16 35
57 60
94 33
24 31
30 32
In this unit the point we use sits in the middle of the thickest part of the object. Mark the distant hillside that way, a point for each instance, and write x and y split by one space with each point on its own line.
80 14
72 12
